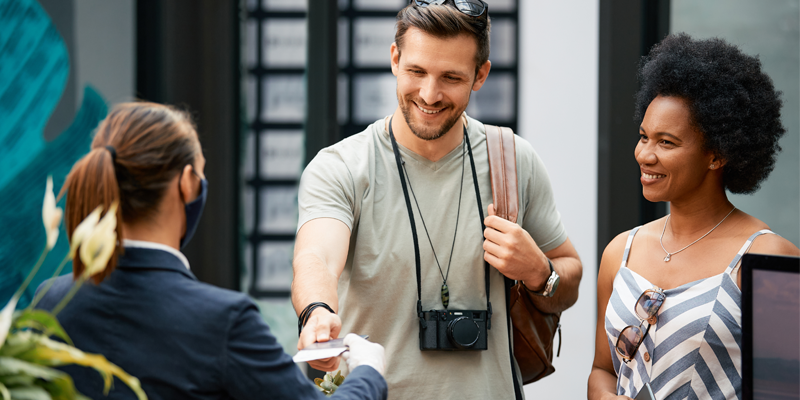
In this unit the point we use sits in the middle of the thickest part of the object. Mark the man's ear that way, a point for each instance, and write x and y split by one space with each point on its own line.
483 73
187 185
395 51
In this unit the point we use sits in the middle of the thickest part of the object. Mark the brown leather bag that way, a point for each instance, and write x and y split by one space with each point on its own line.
533 331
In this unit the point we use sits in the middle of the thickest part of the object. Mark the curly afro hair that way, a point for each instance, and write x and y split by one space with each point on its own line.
731 100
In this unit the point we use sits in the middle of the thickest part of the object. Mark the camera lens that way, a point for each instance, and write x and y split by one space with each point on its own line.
463 332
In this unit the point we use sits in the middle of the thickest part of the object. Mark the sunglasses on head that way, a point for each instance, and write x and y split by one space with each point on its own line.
473 8
646 308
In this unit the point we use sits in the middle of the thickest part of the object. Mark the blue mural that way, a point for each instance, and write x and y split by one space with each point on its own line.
34 66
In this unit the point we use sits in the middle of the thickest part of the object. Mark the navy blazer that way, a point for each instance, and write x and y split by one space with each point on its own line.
183 338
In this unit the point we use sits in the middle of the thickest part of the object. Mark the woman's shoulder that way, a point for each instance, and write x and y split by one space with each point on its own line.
612 258
765 243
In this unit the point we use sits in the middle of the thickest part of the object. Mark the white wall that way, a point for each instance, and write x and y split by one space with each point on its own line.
558 115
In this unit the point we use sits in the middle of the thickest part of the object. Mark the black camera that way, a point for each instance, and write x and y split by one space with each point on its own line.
452 330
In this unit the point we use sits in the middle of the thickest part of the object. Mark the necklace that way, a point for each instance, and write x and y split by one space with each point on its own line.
445 290
661 239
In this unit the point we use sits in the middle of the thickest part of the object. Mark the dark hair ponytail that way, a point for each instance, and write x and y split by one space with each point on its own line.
137 150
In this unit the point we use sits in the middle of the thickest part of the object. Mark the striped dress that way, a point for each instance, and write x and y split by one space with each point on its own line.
694 349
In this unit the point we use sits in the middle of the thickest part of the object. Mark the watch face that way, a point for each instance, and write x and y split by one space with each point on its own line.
555 284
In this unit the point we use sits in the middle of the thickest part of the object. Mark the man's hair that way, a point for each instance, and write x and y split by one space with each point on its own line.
445 21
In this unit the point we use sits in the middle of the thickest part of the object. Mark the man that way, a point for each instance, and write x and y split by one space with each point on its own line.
355 249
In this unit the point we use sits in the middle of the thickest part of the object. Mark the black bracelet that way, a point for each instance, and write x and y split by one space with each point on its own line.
306 314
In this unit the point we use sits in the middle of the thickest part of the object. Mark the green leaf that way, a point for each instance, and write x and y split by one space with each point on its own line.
19 372
4 394
17 343
52 353
13 366
44 321
17 380
29 393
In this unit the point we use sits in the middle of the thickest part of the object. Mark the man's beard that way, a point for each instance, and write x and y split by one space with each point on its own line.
421 131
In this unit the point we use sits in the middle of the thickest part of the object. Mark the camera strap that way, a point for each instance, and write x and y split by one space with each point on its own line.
400 162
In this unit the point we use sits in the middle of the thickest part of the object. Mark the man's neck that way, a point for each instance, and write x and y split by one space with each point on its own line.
433 150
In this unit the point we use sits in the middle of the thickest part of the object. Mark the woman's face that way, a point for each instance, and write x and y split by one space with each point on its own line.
670 152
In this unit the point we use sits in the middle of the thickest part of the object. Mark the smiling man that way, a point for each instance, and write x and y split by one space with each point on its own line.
390 242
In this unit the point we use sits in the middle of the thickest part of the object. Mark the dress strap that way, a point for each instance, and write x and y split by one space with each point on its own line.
733 267
628 245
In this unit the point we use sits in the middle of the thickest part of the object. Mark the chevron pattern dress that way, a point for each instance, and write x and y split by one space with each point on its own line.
694 349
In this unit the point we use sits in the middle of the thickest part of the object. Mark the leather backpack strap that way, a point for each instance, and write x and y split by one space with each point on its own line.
503 171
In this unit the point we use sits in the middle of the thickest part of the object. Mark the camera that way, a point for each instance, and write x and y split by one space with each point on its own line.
452 330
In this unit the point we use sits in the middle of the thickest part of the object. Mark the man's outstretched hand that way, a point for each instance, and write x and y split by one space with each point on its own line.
321 327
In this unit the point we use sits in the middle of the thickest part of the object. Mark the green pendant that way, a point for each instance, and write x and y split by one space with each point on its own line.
445 295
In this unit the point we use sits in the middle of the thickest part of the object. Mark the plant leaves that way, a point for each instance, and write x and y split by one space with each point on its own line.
6 316
30 393
16 343
17 380
13 366
39 319
52 353
4 394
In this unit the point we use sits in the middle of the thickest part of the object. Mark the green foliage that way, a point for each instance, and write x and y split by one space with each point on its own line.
27 359
329 383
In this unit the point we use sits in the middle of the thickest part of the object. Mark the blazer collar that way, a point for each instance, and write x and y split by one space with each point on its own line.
146 258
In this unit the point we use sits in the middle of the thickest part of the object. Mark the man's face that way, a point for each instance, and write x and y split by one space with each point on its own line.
435 77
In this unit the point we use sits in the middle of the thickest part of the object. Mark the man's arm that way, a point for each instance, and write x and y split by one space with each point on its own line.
512 251
320 253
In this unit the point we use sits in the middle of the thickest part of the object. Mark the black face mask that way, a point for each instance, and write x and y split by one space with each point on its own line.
194 210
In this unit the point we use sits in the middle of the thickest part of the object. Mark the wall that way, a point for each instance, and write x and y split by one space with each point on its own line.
558 115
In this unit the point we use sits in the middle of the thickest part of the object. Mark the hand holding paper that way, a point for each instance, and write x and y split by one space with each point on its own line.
363 352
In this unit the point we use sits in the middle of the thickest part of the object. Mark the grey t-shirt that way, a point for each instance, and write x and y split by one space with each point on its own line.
356 181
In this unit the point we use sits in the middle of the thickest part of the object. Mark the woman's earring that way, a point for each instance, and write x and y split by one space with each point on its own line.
713 166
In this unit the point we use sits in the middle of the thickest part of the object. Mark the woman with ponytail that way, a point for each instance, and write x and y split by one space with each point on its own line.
147 312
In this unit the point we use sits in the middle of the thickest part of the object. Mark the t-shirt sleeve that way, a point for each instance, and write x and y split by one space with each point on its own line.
540 218
326 190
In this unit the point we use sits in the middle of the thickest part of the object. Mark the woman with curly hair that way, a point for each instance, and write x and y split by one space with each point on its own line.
668 292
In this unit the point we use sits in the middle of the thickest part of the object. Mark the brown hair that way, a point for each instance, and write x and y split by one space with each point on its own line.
152 144
445 21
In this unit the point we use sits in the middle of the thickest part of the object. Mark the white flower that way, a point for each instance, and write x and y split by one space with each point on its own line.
51 215
84 229
6 317
99 244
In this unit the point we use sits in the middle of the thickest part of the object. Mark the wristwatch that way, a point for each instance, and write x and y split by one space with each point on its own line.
550 286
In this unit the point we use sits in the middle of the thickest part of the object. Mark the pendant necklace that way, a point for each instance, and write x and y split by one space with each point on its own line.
445 290
661 239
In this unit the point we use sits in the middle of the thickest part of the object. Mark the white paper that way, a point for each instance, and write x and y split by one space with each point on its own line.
278 210
372 42
281 154
284 42
274 266
311 355
375 97
284 98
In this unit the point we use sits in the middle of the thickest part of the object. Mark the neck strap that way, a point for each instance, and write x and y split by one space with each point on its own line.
400 163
